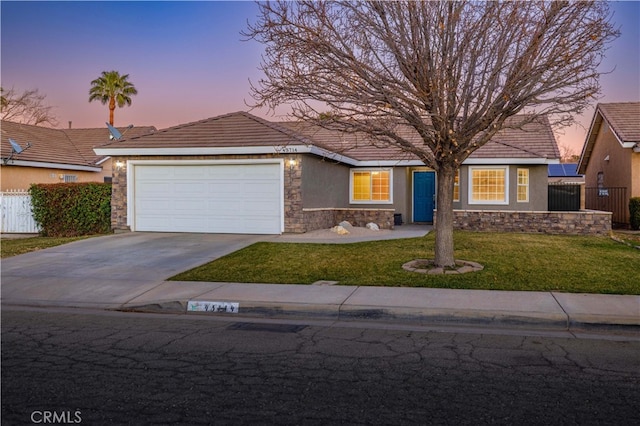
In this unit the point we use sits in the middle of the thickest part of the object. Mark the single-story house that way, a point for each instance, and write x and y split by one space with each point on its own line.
610 159
55 155
238 173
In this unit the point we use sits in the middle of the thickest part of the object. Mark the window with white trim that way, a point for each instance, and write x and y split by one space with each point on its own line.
371 186
489 185
523 185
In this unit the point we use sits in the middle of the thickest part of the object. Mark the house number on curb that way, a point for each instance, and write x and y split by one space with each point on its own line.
213 307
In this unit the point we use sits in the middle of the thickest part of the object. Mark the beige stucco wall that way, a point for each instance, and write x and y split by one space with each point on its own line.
617 169
325 183
20 177
635 174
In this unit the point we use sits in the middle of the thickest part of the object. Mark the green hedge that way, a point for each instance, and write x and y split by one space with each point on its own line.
72 209
634 210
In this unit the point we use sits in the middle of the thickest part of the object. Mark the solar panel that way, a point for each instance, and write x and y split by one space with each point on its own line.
563 170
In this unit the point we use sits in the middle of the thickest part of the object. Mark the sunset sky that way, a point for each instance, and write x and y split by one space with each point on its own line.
188 60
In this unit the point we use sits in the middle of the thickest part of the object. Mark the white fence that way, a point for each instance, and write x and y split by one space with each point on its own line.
15 207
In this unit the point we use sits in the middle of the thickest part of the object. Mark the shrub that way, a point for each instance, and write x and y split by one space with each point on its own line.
634 210
72 209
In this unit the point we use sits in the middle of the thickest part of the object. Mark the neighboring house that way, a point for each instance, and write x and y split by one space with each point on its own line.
238 173
55 155
610 159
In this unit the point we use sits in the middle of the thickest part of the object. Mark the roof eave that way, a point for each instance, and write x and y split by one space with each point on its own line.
234 150
304 149
62 166
511 161
587 148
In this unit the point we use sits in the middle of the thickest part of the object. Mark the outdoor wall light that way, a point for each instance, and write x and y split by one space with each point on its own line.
119 164
292 163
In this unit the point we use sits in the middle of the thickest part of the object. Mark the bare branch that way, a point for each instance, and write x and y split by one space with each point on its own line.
455 72
451 70
28 107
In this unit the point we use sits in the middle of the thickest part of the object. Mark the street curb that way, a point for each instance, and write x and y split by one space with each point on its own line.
370 313
456 317
398 315
584 321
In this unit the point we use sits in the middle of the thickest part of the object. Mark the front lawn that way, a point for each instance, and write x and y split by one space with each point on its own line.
512 262
14 247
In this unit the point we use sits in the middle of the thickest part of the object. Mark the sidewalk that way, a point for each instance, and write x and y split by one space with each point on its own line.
559 311
128 272
419 306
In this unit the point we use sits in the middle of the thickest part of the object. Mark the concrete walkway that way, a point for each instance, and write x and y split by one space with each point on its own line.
128 272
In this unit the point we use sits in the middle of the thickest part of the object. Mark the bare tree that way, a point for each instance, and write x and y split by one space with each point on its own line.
568 153
454 72
27 107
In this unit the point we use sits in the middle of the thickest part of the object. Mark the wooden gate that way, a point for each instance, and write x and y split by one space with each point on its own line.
15 208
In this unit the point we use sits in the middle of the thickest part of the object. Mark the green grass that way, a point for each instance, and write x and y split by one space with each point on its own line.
512 262
628 237
14 247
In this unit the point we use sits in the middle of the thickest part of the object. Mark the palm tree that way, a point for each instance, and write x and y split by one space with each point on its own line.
113 88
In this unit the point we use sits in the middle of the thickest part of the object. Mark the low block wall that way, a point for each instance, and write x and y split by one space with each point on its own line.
584 222
326 218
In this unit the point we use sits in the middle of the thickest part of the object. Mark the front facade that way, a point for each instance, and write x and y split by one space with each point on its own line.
238 173
610 159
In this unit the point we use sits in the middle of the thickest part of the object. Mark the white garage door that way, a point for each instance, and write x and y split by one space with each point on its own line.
221 198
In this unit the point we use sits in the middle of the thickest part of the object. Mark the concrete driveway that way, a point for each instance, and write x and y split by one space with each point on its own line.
108 271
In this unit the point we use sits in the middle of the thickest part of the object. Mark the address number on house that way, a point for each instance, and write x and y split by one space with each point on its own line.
213 307
281 149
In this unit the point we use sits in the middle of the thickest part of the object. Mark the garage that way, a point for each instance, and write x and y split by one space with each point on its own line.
218 197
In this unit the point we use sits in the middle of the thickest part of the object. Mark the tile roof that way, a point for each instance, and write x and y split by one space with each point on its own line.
59 146
47 145
229 130
87 139
624 119
535 140
354 145
241 129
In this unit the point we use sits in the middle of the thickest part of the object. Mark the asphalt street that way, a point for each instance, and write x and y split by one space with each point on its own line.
126 368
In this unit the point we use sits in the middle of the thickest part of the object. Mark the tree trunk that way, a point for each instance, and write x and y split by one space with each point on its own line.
112 108
444 217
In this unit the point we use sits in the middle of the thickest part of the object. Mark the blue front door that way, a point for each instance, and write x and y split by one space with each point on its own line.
424 192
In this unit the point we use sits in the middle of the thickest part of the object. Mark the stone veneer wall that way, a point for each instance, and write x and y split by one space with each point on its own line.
119 194
322 218
584 222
